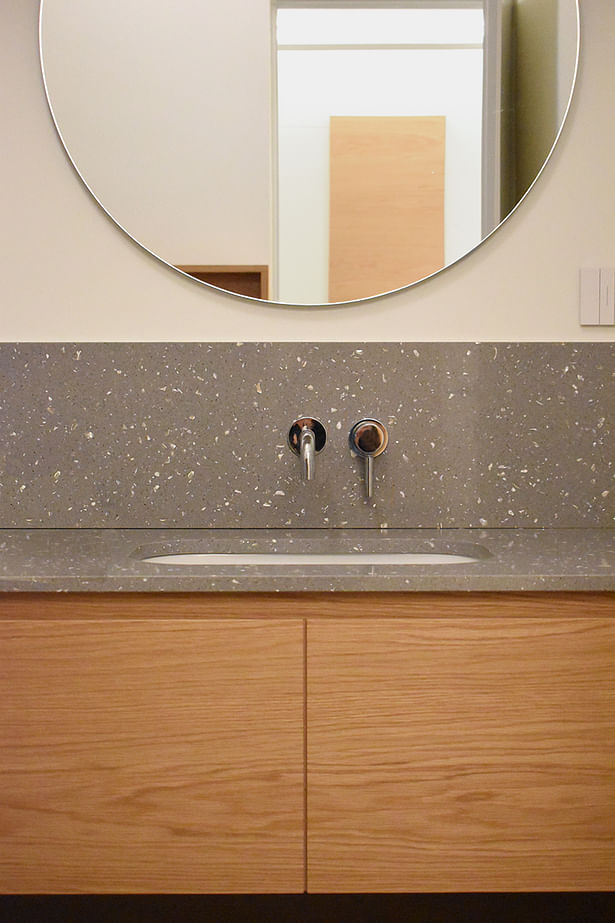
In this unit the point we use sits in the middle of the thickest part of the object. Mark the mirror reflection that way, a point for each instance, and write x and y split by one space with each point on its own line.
306 151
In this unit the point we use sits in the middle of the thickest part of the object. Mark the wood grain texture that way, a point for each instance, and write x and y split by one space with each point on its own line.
243 280
151 756
456 755
307 605
386 210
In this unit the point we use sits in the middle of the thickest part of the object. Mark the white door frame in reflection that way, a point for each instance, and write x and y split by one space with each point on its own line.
391 65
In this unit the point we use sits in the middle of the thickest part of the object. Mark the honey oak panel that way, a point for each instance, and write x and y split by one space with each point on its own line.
461 755
294 605
151 756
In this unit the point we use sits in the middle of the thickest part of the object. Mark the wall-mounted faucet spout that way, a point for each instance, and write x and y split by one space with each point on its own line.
306 438
307 451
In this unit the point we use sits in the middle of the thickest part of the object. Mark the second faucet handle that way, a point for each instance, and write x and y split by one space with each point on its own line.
368 440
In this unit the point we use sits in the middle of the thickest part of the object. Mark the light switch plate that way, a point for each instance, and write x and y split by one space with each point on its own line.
597 297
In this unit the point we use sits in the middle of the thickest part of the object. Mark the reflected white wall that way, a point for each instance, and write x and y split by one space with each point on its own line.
166 110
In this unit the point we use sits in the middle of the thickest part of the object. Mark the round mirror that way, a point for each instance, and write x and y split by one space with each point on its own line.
305 151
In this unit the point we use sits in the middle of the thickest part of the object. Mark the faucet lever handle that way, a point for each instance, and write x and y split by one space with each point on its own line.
369 475
368 440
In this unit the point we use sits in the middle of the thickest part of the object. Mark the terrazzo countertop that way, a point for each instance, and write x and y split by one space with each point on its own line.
111 560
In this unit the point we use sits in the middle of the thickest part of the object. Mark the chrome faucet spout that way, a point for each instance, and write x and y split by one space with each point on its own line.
307 451
306 439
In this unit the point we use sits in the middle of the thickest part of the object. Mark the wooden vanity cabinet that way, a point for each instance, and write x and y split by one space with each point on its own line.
148 746
463 752
441 742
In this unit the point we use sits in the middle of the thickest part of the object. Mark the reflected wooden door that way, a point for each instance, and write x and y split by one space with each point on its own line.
386 203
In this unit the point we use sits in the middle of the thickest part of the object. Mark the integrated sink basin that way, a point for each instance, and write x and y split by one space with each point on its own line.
310 560
305 552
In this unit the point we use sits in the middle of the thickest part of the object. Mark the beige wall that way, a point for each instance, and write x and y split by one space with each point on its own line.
69 274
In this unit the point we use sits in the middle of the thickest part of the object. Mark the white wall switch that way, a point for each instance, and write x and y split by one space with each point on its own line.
597 297
607 296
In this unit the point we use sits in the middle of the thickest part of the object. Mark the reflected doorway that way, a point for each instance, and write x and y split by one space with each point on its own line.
379 111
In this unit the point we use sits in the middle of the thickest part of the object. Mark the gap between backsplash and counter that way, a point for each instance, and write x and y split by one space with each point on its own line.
188 435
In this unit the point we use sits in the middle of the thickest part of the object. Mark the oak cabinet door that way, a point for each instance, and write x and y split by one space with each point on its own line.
461 754
151 756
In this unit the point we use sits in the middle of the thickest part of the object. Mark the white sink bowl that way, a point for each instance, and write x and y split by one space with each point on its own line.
309 560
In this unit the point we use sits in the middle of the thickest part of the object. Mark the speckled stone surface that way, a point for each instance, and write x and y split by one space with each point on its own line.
104 560
194 435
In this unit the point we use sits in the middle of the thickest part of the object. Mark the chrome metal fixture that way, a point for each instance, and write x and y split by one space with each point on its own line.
368 440
307 438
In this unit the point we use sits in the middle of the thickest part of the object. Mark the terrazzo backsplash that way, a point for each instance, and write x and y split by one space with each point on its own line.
188 435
